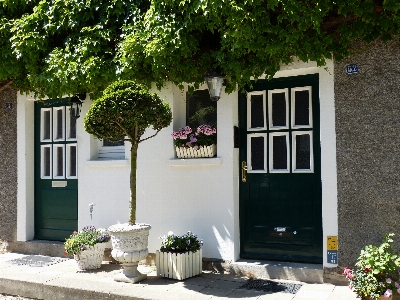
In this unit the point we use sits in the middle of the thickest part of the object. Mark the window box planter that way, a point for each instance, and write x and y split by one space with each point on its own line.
206 151
179 265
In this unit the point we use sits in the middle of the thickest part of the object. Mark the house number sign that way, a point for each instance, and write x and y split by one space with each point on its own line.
332 249
352 69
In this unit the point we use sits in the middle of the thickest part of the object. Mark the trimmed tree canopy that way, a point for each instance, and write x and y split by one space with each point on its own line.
55 47
127 109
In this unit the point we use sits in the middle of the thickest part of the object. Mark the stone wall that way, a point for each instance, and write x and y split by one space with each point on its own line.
8 168
368 148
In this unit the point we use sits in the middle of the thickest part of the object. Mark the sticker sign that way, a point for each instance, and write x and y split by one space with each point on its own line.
332 257
332 243
352 69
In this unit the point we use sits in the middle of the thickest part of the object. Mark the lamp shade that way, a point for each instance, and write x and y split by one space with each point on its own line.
75 107
214 84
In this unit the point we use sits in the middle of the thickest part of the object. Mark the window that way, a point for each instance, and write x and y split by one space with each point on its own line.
200 109
111 150
280 131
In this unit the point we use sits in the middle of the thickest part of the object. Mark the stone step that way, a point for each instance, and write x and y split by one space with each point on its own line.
48 248
310 273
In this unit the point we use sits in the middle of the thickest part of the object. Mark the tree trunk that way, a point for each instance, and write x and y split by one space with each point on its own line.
132 217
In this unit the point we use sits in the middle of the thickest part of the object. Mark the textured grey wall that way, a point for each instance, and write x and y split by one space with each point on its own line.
8 168
368 148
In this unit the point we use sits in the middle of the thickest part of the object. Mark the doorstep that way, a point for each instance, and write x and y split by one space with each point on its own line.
310 273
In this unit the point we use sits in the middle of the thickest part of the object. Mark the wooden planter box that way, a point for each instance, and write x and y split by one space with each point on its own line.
207 151
179 265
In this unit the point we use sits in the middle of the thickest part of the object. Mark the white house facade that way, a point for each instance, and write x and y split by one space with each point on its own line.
202 195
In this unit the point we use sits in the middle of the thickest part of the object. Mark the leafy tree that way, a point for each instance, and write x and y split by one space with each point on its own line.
55 47
127 109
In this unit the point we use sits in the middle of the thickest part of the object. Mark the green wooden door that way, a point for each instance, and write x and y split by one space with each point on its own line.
56 177
280 182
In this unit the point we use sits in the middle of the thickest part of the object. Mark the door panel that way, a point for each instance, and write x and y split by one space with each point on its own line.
280 198
56 181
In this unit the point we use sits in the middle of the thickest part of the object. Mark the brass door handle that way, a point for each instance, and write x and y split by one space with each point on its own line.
244 171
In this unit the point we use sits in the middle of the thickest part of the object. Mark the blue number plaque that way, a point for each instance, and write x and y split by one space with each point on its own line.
332 257
352 69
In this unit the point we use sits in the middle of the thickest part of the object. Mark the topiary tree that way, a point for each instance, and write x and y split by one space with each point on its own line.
127 109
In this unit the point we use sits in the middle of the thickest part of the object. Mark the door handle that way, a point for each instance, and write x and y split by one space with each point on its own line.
244 171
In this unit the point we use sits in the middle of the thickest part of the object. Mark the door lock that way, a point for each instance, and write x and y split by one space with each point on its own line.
244 171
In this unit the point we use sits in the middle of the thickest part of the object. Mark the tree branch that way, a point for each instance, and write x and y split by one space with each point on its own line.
150 136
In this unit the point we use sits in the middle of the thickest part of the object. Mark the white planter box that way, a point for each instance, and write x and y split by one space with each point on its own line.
179 265
207 151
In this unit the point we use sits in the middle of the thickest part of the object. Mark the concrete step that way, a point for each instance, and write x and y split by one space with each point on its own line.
310 273
38 247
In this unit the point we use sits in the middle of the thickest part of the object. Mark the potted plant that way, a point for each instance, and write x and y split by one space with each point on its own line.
179 257
378 268
200 143
87 246
126 109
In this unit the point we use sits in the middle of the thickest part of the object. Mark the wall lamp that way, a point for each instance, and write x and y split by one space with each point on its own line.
75 104
214 82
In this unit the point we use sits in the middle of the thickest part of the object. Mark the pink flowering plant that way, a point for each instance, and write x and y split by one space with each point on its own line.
378 270
186 137
82 240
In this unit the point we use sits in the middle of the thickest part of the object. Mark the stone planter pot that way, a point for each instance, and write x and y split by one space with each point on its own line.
207 151
179 265
129 243
90 258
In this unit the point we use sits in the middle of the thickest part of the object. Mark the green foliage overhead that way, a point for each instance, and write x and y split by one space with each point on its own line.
55 47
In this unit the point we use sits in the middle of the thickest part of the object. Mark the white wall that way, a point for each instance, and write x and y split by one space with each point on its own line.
201 198
25 155
200 195
104 183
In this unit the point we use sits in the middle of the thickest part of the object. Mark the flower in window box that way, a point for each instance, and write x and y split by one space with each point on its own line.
198 143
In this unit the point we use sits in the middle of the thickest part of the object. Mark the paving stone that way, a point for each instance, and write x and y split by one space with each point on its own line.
312 295
277 296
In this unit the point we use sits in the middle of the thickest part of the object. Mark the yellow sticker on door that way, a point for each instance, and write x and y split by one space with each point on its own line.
332 242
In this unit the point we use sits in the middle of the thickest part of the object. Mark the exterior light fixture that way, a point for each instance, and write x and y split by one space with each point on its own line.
214 83
76 104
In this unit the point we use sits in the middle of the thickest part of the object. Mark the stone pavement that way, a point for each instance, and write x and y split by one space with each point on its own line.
61 279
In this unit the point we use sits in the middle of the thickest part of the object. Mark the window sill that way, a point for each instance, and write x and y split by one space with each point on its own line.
176 162
104 163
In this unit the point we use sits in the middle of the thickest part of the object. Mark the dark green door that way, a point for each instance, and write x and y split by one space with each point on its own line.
280 182
56 177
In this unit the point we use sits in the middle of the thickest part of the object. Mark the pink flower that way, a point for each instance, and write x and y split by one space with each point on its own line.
388 280
397 285
196 147
398 290
388 293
